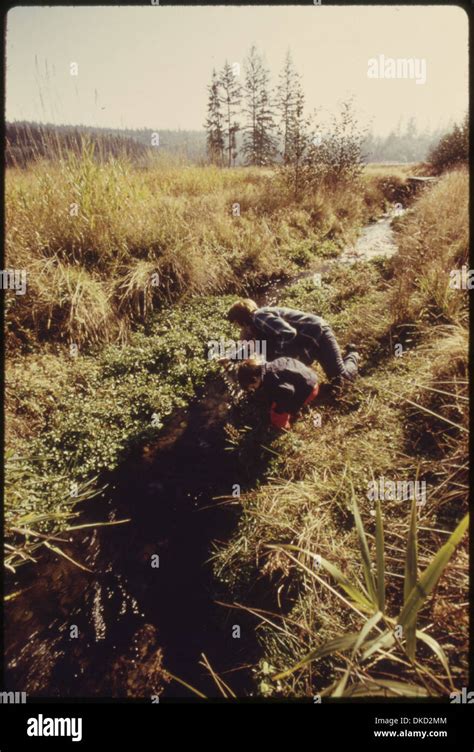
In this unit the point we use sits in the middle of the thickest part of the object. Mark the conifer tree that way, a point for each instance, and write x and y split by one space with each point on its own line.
259 130
230 99
214 123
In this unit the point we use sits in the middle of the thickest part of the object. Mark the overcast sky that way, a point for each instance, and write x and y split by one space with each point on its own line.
149 66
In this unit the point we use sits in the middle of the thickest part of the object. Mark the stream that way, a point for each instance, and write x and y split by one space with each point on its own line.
147 601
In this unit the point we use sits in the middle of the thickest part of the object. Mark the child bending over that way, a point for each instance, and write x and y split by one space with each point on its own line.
286 383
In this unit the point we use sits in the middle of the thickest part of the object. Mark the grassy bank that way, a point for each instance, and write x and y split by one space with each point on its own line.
299 538
127 270
105 244
138 281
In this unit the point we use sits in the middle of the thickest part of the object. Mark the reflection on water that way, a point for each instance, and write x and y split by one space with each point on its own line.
377 239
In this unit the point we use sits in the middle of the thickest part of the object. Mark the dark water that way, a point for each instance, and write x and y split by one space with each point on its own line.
133 618
111 631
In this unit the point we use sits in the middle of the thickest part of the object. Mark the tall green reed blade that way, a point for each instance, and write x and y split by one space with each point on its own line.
411 571
364 549
431 575
380 553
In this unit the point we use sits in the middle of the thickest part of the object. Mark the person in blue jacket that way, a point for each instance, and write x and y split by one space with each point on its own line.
293 333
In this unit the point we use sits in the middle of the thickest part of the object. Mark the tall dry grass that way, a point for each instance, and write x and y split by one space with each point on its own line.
106 242
405 418
433 241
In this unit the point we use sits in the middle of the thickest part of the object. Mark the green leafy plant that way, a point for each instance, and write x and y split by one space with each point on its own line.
394 634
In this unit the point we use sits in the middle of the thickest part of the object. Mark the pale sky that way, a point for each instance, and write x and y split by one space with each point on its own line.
149 66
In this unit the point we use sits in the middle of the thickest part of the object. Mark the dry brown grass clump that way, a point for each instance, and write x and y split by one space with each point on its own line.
104 244
433 242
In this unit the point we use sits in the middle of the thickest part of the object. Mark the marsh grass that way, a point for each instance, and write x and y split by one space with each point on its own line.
406 417
105 242
142 348
108 246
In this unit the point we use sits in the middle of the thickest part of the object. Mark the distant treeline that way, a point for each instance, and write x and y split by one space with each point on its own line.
407 145
27 141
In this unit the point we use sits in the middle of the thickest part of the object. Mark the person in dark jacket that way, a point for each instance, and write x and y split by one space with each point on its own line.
296 334
287 384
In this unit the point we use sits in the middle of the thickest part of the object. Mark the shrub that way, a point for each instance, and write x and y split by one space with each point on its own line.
452 150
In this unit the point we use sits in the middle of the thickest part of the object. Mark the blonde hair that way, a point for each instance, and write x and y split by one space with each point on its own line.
241 312
248 371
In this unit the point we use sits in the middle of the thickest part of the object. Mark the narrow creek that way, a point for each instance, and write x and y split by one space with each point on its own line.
148 600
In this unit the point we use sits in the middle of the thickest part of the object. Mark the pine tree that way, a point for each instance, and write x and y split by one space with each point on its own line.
266 140
259 131
251 90
293 125
213 125
230 99
298 137
285 103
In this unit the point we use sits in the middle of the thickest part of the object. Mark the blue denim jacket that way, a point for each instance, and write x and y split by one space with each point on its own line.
289 331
